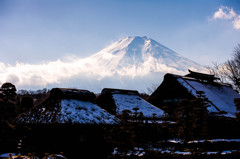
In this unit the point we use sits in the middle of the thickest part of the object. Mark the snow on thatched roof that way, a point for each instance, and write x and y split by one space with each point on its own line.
68 106
221 96
129 100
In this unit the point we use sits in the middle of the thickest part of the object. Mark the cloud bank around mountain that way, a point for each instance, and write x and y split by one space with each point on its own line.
54 72
115 66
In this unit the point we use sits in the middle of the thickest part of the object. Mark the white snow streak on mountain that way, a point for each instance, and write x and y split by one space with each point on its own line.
132 62
138 56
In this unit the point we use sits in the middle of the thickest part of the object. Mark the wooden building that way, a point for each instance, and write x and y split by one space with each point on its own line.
119 101
174 88
219 98
67 121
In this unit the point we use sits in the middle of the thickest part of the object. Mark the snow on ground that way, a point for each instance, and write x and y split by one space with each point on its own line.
128 102
141 152
202 141
221 96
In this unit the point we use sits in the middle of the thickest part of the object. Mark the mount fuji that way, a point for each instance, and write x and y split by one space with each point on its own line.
138 56
130 63
135 63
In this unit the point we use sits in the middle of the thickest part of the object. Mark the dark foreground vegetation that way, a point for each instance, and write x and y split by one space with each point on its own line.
188 133
130 140
134 138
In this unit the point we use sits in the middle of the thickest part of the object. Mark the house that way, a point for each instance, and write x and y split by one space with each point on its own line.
118 101
174 88
68 121
68 106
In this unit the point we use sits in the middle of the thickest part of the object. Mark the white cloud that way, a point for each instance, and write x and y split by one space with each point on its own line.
106 67
228 14
93 69
236 22
224 13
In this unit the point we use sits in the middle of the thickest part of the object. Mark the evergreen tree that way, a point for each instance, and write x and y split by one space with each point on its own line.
237 104
9 90
9 108
191 117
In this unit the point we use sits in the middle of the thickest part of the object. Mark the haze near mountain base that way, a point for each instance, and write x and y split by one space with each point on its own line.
130 63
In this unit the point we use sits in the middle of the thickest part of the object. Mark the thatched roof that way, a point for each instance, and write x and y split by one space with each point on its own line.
174 88
107 91
68 106
68 93
128 100
202 76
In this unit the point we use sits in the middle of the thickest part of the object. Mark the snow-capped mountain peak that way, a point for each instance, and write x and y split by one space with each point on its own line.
131 63
137 55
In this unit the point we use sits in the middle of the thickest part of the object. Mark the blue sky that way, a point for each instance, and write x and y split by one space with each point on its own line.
35 31
39 31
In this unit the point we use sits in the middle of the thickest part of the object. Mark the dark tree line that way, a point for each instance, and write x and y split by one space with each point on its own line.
13 104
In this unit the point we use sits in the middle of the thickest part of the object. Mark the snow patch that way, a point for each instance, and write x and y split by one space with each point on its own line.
221 96
69 111
84 112
128 102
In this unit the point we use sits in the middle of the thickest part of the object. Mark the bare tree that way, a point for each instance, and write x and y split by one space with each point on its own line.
230 70
233 68
233 73
219 71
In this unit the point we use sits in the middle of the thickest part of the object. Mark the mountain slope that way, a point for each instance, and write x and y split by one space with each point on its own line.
130 63
138 56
